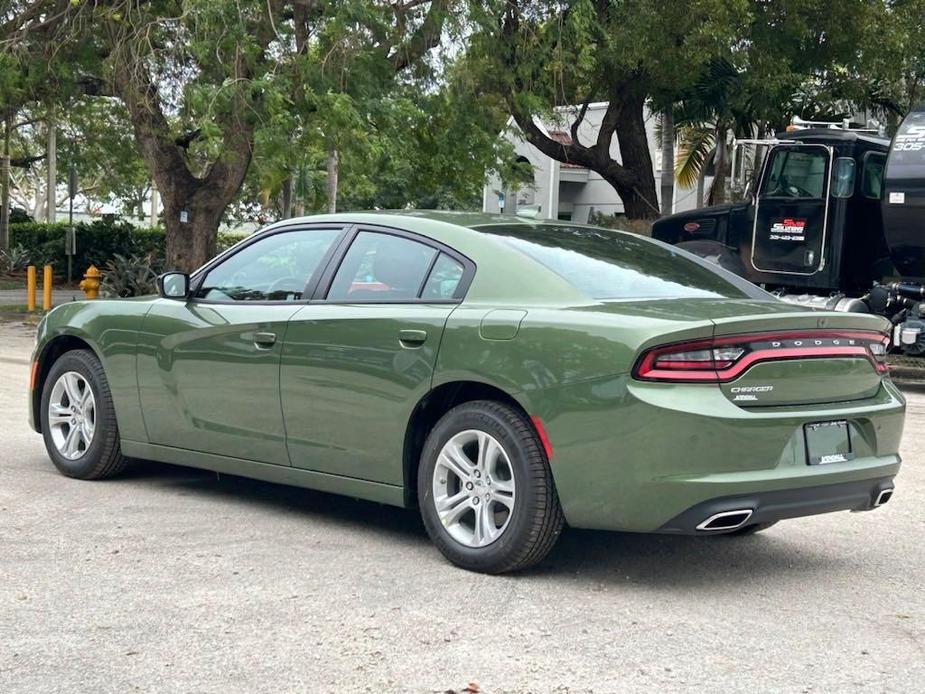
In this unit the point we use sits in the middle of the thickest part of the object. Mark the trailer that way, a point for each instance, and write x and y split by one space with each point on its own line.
833 218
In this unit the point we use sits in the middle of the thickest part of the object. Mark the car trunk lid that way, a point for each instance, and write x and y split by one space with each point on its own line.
767 353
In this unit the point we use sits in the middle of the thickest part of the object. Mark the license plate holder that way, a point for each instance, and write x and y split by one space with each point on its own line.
828 442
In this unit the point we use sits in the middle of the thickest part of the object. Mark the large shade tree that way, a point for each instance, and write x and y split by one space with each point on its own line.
545 54
201 79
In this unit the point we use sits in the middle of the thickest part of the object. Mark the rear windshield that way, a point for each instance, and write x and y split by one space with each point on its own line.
608 265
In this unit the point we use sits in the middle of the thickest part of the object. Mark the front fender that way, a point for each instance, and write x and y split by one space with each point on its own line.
110 329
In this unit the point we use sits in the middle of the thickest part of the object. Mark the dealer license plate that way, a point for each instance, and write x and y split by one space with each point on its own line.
827 442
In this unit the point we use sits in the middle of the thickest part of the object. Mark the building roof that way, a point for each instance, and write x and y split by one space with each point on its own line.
563 138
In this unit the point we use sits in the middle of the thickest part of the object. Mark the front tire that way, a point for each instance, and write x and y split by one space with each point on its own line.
486 491
79 420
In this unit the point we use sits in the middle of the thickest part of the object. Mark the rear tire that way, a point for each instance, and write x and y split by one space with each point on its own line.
79 420
485 468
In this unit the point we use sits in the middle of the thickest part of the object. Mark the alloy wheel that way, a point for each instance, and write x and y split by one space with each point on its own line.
473 488
72 415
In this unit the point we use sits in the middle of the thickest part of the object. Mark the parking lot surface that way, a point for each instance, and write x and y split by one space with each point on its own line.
176 580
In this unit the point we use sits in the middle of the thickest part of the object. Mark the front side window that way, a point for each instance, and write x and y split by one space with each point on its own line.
275 268
796 174
610 265
382 267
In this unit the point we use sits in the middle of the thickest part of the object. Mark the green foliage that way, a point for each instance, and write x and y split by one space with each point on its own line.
15 259
97 243
18 216
133 275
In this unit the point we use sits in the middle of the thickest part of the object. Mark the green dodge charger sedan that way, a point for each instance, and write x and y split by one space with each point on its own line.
504 376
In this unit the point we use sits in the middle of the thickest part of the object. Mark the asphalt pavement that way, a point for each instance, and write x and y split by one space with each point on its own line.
177 580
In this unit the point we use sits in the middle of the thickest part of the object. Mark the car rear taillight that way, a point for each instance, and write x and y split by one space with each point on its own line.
722 359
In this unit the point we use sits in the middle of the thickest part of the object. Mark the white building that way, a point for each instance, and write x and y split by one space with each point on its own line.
569 191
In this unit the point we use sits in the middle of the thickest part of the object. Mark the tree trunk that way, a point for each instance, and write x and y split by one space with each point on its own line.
637 192
718 189
286 198
667 181
191 243
332 180
5 184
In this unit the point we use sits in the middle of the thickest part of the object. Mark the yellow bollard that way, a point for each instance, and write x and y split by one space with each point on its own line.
90 284
46 288
30 288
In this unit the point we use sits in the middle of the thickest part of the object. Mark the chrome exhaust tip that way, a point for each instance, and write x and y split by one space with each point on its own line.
727 520
884 496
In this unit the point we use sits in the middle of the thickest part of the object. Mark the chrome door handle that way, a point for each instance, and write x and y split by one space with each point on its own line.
412 338
264 339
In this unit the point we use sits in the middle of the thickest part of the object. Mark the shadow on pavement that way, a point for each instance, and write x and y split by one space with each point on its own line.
584 555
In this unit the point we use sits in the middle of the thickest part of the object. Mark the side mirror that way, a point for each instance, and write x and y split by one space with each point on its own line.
173 285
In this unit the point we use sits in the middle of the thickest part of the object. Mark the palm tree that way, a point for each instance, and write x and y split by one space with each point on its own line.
713 108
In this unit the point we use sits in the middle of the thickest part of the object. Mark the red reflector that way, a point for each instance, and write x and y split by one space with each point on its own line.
33 375
541 432
721 359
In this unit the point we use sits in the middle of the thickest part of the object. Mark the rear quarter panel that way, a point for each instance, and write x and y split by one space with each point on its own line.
625 452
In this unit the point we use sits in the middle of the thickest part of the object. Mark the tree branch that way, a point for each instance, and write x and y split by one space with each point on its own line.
425 38
24 162
578 120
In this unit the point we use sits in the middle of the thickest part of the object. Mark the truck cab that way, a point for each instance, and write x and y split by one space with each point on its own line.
811 220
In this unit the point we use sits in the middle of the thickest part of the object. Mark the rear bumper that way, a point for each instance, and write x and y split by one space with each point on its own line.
637 457
769 507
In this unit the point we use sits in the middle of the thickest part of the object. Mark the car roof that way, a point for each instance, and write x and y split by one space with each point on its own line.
471 220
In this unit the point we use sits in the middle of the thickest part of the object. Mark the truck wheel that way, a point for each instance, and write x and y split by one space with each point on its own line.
485 489
78 418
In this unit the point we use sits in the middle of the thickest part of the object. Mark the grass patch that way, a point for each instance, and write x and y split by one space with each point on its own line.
18 313
19 308
12 283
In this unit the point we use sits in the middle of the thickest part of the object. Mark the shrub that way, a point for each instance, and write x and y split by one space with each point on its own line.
14 260
621 222
97 242
19 215
132 275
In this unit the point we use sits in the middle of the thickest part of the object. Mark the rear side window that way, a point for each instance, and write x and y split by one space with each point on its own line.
381 267
444 279
872 175
611 265
843 177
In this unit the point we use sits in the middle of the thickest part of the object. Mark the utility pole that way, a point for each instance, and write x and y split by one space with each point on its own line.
332 180
52 160
5 183
153 221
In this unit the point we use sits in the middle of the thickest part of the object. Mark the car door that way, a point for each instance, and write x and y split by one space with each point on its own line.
356 362
791 213
208 367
